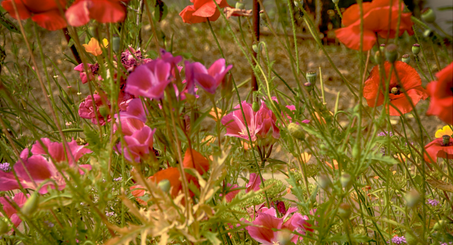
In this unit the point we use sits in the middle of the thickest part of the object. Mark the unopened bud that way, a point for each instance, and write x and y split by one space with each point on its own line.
406 58
440 225
382 47
164 185
92 30
377 57
104 111
412 198
428 33
3 226
446 139
391 52
240 5
31 205
324 181
335 1
428 15
416 48
116 44
345 210
255 106
311 77
296 131
345 180
256 48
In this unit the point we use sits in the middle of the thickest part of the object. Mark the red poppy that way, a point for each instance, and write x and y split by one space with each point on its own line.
45 12
201 10
200 163
376 17
437 148
409 81
441 92
103 11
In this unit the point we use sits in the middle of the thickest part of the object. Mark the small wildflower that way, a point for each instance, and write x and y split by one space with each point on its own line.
68 123
49 224
93 46
5 167
433 202
109 214
399 240
118 179
384 133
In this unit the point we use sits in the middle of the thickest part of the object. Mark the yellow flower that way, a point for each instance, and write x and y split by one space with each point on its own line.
93 46
446 130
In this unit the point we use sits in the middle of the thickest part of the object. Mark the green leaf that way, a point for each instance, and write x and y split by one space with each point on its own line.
92 137
212 237
359 238
8 24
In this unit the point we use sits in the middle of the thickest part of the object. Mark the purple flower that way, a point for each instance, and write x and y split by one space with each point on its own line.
254 183
139 144
433 202
118 179
399 240
5 167
208 79
149 80
385 133
109 214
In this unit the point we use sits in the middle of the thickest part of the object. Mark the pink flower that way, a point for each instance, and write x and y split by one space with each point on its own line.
10 211
39 169
265 120
139 144
83 76
133 118
103 11
132 58
233 191
208 79
57 152
86 109
149 80
254 183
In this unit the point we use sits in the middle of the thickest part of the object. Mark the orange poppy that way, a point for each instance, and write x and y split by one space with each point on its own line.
172 174
441 92
439 148
409 81
202 10
103 11
379 17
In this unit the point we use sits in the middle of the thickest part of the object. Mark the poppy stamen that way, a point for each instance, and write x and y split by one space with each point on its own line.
395 90
445 140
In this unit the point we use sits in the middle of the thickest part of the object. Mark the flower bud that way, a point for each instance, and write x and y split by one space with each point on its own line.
335 1
406 58
377 57
256 48
104 111
428 33
92 30
345 210
116 44
31 205
255 106
164 185
428 15
412 198
391 53
416 48
324 181
311 77
345 180
445 139
3 226
240 5
440 225
382 47
296 131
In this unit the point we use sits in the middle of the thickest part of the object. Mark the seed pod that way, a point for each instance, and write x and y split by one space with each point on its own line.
428 15
255 106
445 139
104 111
311 77
416 48
428 33
345 210
391 53
240 5
31 205
296 131
164 185
382 48
406 58
3 226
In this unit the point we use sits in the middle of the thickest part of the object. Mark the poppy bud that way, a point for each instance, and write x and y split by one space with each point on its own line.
382 48
391 53
31 205
311 77
378 57
440 225
296 131
428 33
416 48
116 44
164 185
3 227
345 180
240 5
255 106
256 48
104 111
345 210
335 1
428 15
324 181
412 198
406 58
91 30
446 139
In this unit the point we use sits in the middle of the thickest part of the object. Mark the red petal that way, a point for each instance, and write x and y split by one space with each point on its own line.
78 13
50 20
21 9
105 11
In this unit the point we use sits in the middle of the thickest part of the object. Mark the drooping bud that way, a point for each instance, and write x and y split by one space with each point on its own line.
164 185
296 131
104 111
428 15
116 44
31 205
345 180
406 58
311 77
445 139
428 33
382 47
256 48
240 5
324 181
416 48
412 198
344 210
3 226
391 53
255 106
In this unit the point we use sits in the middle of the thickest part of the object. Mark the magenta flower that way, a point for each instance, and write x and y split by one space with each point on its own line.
57 152
233 191
254 183
149 80
86 109
10 211
133 118
83 76
131 58
39 169
266 120
139 144
208 79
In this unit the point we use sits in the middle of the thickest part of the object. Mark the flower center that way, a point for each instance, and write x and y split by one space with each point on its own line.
395 90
